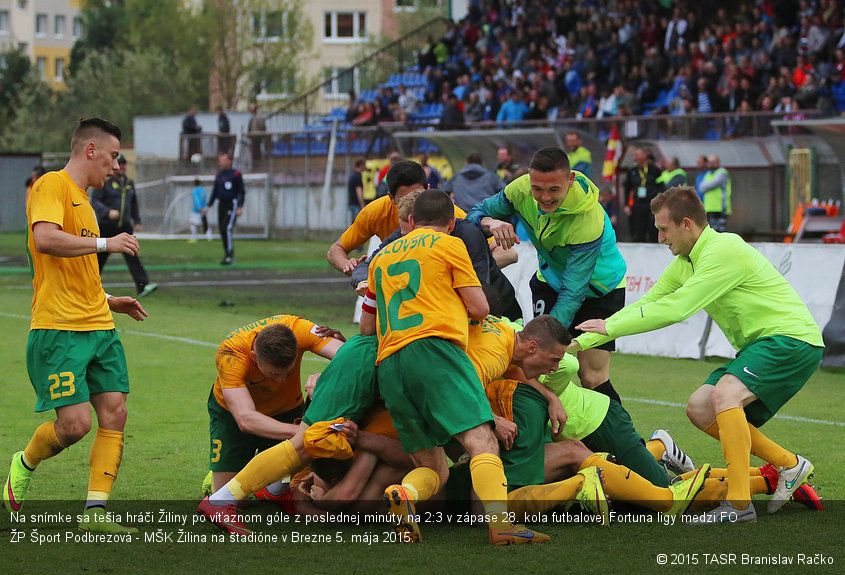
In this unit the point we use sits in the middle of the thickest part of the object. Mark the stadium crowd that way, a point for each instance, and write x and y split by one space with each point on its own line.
536 60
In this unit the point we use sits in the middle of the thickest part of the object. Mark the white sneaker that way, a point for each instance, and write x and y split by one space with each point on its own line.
726 513
674 459
790 479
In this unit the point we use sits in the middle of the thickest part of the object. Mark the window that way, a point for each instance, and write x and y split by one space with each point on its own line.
270 26
279 86
414 5
345 26
340 81
41 24
4 21
23 4
59 26
77 27
41 66
60 70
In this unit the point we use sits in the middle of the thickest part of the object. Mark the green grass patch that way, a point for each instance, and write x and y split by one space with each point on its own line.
167 440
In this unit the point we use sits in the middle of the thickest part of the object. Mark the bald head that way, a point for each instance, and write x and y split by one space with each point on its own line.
713 161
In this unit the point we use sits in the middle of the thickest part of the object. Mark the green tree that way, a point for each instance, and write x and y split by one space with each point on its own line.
106 24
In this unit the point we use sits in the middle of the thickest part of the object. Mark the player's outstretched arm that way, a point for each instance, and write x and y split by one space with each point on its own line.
339 258
128 305
50 239
251 421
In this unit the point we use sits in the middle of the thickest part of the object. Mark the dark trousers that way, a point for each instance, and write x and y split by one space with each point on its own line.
642 224
136 268
226 217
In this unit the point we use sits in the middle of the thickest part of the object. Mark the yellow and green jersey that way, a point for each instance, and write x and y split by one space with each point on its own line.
68 294
414 280
730 280
585 408
378 218
236 365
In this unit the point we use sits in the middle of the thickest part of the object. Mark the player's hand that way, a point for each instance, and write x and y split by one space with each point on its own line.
593 326
505 431
350 430
114 214
204 210
362 288
504 233
128 305
239 212
304 486
310 384
123 244
317 493
326 331
557 415
351 264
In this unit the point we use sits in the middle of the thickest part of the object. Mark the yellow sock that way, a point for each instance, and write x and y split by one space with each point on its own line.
533 499
721 472
422 483
656 448
716 489
623 484
103 462
43 445
491 485
713 430
736 445
768 450
270 465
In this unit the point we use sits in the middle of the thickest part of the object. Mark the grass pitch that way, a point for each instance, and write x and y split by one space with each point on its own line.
171 364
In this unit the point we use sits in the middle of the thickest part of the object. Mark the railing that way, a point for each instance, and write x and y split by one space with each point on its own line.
362 76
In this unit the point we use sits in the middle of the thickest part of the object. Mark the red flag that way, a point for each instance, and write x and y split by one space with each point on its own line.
611 157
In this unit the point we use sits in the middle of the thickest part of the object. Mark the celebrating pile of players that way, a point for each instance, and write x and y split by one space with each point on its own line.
444 402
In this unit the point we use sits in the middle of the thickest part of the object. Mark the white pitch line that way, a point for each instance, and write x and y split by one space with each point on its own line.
324 360
777 416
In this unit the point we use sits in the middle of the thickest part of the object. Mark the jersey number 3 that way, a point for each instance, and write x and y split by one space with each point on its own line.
389 315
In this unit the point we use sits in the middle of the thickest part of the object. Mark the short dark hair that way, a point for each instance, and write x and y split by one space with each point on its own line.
331 470
474 158
433 208
405 173
276 344
360 162
91 128
546 330
682 202
550 159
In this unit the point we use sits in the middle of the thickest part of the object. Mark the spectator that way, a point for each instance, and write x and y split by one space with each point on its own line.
351 108
473 183
451 118
580 157
673 175
225 143
506 168
191 130
514 110
716 189
701 166
116 206
640 188
608 201
355 189
256 131
474 109
432 176
408 101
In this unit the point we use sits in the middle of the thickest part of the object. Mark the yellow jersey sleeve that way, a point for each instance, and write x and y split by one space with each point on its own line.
379 218
67 292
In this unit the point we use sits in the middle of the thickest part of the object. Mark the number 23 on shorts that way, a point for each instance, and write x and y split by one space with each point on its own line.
62 385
